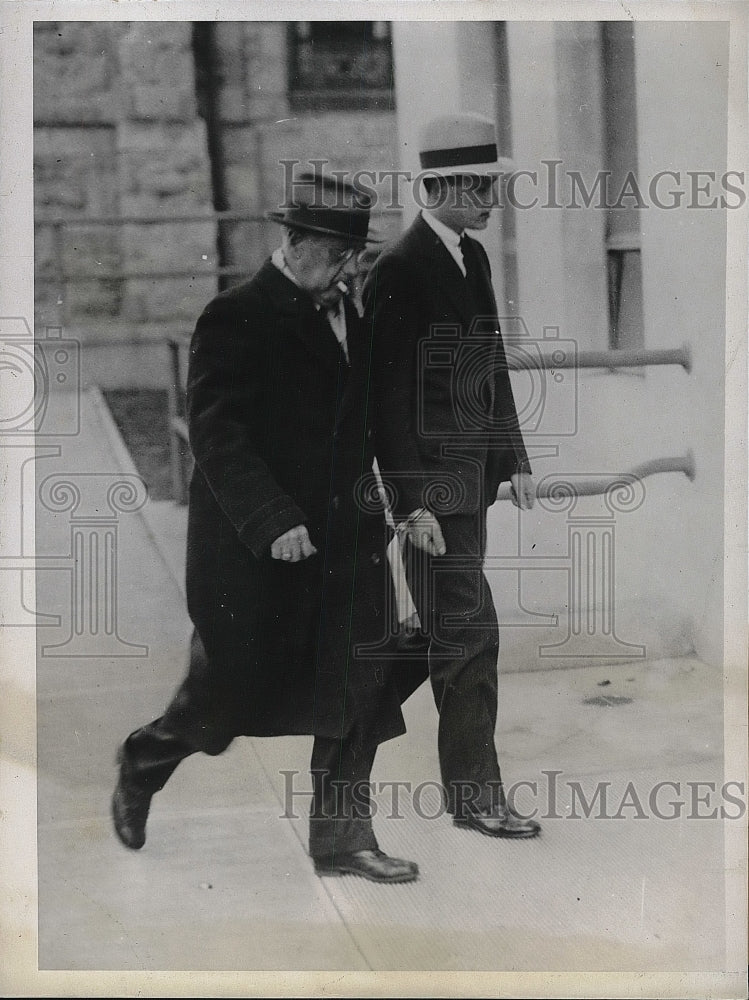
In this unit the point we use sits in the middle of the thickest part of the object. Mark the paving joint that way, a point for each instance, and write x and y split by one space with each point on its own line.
126 465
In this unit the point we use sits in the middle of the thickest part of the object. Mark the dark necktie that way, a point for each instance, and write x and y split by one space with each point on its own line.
474 278
337 320
483 308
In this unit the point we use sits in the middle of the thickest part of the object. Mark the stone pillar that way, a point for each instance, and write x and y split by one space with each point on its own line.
254 105
581 145
534 86
555 91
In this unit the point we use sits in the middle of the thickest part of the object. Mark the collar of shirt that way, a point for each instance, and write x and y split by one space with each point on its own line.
279 260
449 237
336 314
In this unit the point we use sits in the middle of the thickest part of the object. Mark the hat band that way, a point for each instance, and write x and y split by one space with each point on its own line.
458 156
347 222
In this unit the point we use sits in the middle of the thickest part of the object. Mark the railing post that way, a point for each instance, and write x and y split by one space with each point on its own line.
177 446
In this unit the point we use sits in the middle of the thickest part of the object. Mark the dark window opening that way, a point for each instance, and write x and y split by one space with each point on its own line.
340 65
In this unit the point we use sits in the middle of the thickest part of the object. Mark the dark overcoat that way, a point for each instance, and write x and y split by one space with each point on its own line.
281 435
447 426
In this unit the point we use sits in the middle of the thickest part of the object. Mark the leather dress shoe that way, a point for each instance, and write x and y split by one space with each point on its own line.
130 805
374 865
502 822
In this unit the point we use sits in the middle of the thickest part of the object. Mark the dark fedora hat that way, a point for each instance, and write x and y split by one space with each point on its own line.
319 203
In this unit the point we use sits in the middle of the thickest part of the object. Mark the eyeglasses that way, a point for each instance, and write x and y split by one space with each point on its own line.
337 258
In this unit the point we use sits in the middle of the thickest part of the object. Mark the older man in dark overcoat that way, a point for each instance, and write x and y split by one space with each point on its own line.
288 582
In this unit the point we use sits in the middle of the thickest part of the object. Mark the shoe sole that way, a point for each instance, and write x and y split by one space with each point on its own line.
340 872
501 835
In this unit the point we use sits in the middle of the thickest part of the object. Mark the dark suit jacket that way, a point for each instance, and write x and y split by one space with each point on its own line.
281 434
447 431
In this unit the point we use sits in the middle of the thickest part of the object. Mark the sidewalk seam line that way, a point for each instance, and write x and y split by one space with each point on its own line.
126 465
322 880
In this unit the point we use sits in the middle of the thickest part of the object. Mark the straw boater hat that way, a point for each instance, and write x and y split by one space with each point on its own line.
320 204
459 143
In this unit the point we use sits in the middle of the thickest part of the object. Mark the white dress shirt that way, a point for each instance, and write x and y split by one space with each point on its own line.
449 237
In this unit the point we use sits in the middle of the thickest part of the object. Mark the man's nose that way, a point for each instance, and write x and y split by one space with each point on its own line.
351 267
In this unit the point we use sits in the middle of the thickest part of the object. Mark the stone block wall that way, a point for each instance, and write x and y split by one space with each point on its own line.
76 72
75 176
164 170
76 101
119 133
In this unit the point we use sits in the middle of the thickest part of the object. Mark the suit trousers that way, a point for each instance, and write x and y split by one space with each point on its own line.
455 605
340 813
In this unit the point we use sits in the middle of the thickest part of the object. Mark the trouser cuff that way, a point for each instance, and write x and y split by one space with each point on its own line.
331 837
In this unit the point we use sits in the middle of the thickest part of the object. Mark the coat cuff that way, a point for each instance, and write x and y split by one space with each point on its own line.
267 523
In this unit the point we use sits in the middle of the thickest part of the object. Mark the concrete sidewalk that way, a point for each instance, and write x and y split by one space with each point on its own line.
224 881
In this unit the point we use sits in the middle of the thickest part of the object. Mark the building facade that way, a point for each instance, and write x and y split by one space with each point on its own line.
612 236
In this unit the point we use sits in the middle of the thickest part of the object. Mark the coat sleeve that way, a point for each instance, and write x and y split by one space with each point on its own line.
505 411
225 412
391 312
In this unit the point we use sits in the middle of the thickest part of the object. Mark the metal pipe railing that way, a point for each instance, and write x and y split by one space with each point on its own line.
229 215
547 488
625 358
179 450
554 488
230 270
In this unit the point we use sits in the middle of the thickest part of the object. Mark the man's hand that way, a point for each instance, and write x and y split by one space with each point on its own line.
523 490
293 545
423 530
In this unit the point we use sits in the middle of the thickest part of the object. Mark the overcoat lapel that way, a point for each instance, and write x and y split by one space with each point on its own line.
357 371
298 318
476 265
437 259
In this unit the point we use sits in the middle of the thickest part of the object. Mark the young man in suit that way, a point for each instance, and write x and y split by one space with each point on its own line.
447 435
286 574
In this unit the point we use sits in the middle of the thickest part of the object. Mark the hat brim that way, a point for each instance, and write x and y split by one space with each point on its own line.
472 169
282 220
